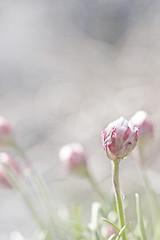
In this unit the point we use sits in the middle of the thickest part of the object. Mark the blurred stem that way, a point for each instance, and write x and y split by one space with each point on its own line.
95 186
19 151
115 179
140 217
151 194
42 190
47 200
94 219
13 179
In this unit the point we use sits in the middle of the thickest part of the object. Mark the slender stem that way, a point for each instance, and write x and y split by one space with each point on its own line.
21 189
42 190
94 219
151 194
152 198
46 198
140 217
115 179
95 186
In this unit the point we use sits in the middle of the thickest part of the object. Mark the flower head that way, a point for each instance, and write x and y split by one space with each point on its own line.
119 138
145 125
7 162
73 157
6 133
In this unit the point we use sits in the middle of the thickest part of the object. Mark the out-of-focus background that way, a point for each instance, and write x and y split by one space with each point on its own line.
68 68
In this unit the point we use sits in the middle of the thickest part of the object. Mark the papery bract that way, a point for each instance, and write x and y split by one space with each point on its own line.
119 138
7 162
73 157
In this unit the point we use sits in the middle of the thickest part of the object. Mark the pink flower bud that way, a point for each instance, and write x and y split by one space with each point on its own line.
6 161
73 157
119 138
6 134
107 230
145 125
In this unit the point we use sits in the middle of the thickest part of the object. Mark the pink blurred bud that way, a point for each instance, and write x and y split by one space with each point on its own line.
6 161
73 157
6 133
119 138
145 125
107 230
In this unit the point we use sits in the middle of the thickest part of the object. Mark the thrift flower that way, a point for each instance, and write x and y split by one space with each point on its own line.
145 125
73 157
119 138
6 161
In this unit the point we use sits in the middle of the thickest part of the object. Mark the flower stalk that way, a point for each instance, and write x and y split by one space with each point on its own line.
95 186
115 179
41 189
13 179
140 217
148 187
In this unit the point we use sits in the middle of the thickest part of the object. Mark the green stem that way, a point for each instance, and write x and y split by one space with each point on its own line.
42 190
140 217
21 189
47 201
95 186
152 198
151 194
115 179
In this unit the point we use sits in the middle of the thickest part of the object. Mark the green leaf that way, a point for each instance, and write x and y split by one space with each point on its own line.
113 225
97 238
140 217
111 237
121 231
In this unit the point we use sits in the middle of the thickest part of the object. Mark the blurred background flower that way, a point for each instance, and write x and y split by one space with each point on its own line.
67 69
